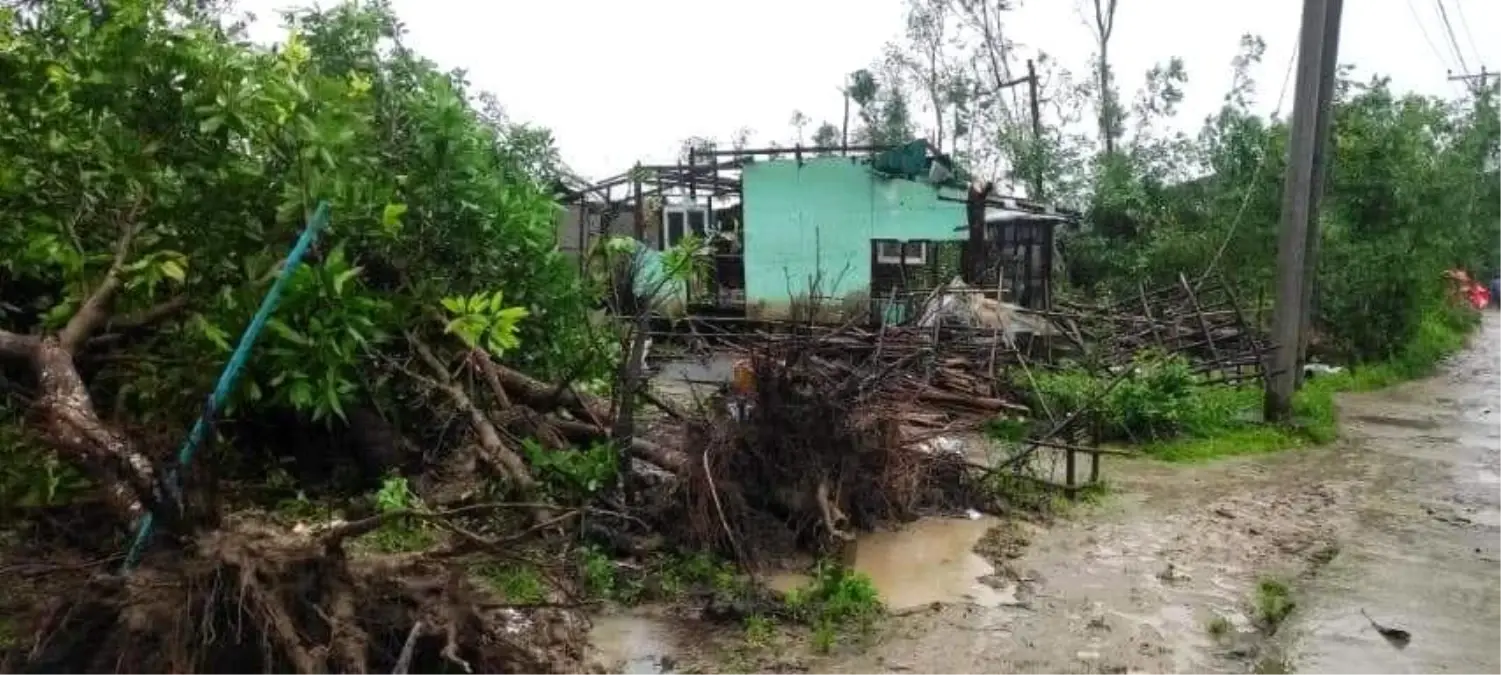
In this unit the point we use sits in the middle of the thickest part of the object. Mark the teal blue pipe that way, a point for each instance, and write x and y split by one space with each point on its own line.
231 373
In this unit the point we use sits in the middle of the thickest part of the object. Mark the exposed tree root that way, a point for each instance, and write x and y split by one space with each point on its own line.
819 454
255 598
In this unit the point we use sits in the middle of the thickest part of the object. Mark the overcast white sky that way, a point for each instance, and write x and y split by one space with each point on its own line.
625 80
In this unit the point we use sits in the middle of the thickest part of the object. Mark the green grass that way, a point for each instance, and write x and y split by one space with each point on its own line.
1223 422
835 601
1274 602
1218 627
520 584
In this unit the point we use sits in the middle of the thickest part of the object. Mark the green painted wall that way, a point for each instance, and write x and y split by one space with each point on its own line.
822 216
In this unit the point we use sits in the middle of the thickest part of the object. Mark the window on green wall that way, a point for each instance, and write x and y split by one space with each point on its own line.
902 252
677 222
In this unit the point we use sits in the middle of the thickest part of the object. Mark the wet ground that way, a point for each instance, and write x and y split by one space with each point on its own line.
1400 519
1423 549
1134 584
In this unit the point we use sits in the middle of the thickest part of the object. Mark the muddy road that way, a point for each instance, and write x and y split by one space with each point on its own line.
1135 584
1400 518
1422 550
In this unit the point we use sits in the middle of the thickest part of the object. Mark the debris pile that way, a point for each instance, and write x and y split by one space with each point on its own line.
1203 321
819 445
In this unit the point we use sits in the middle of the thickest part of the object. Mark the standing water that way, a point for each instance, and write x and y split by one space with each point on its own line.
927 561
632 642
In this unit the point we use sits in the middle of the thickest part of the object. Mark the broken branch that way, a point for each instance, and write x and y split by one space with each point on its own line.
95 309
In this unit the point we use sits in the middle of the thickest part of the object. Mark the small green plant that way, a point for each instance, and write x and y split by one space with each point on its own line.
670 583
702 568
837 599
825 636
598 572
573 474
1093 493
299 507
1218 627
1011 429
676 573
759 630
401 533
518 584
1274 602
31 477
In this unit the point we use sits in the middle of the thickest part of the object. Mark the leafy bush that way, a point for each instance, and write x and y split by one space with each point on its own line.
157 117
572 474
1155 400
836 599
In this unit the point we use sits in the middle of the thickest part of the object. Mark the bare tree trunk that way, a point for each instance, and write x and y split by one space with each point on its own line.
1104 19
623 431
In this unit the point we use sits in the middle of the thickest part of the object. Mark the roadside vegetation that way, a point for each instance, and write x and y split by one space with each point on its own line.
1169 415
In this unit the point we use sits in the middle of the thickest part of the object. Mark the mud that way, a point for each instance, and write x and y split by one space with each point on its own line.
932 560
1133 584
1423 552
640 641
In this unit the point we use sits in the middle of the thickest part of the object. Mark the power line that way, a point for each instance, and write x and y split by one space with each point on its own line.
1245 201
1453 42
1459 8
1431 46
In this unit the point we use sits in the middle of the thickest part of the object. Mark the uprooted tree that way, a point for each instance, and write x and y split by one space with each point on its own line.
158 166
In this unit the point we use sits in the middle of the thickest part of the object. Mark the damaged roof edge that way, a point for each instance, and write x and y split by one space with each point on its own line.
1018 207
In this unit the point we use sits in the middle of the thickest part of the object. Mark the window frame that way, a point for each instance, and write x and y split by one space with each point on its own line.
684 211
903 258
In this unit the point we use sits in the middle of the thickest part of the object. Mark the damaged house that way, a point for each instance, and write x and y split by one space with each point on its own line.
828 233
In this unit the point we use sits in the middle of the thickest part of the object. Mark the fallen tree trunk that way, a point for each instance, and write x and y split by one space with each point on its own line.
543 396
938 396
494 451
68 423
648 451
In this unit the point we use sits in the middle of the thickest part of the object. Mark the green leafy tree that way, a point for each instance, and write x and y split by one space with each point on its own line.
158 168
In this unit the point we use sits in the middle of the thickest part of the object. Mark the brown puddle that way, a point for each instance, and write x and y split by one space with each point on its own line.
631 642
926 561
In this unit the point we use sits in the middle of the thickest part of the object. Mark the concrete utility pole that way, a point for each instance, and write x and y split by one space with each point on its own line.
1292 242
1476 81
1308 302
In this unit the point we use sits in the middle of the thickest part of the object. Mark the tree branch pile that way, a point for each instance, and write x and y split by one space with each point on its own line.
828 441
1203 320
517 406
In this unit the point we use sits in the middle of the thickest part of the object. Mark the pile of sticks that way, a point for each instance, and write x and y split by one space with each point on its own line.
1202 321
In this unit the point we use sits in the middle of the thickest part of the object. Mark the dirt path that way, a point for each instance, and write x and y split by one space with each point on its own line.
1399 518
1423 552
1133 585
